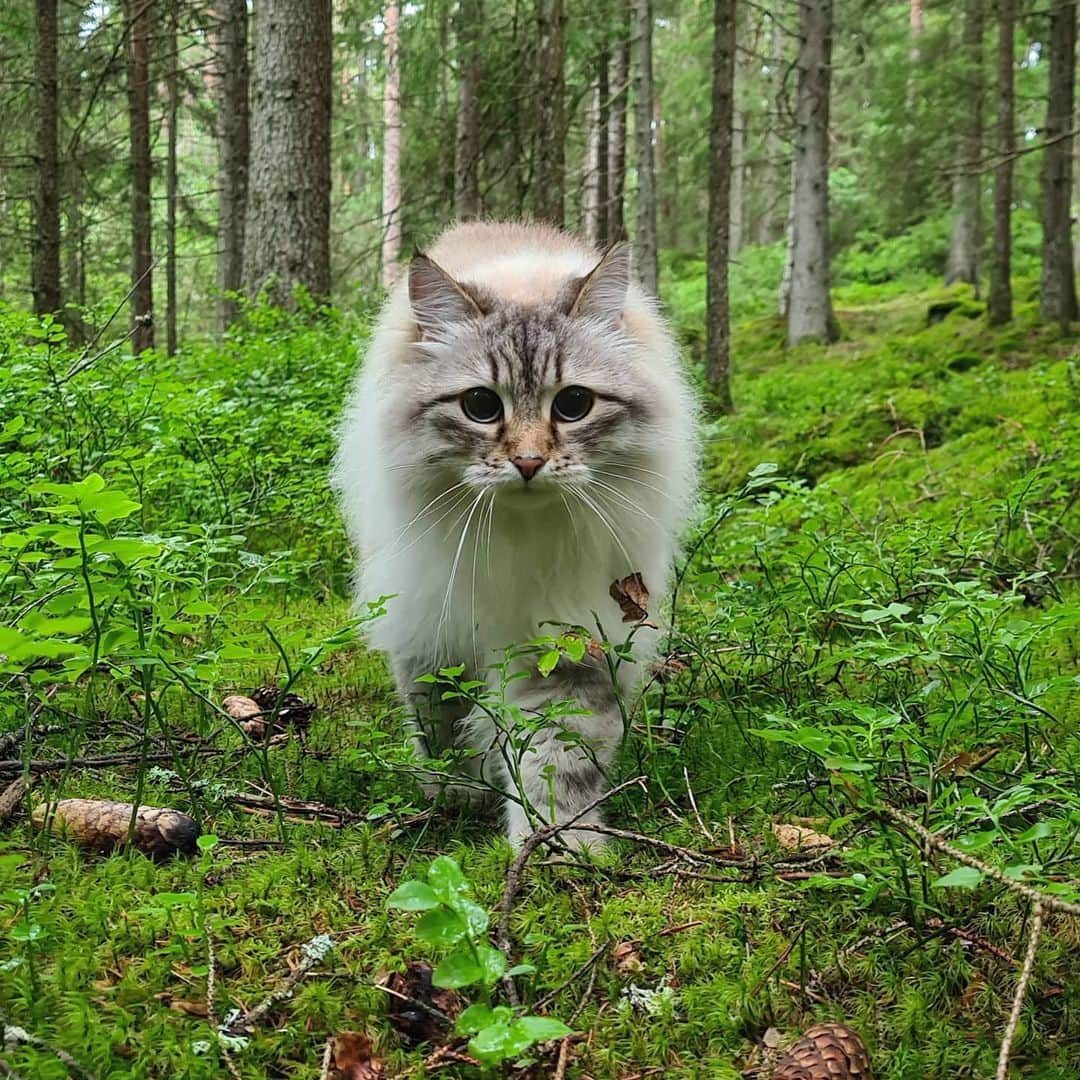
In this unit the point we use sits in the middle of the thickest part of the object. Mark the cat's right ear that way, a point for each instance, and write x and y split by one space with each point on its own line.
438 301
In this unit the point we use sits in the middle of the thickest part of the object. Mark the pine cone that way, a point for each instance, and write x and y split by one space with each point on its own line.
825 1052
100 825
291 709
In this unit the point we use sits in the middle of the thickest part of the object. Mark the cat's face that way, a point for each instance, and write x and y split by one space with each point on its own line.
520 399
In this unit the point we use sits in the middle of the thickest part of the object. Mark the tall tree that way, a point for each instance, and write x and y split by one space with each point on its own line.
618 89
391 190
46 267
173 105
645 232
999 302
550 174
809 310
233 145
142 296
963 260
469 26
1058 299
718 329
287 225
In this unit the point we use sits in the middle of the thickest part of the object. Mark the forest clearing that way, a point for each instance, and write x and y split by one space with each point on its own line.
848 799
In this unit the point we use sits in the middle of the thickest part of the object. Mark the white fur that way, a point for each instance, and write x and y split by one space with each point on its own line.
459 597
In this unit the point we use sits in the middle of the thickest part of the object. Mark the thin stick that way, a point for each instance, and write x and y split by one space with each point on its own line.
12 1034
513 876
327 1057
211 985
1021 992
693 806
1042 899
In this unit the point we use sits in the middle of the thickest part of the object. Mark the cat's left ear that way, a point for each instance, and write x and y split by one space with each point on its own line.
601 293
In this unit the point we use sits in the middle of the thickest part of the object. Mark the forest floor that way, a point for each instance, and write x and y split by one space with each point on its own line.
880 608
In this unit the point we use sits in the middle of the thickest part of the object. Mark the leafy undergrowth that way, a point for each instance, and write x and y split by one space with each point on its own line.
879 608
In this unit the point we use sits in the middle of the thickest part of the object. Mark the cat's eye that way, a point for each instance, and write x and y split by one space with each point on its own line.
481 405
572 403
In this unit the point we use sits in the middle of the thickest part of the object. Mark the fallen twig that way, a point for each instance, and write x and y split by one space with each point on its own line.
14 1036
1021 992
105 761
12 797
211 1012
314 952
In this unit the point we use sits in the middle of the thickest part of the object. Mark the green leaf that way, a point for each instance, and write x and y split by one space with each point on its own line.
474 1018
457 970
492 963
476 918
441 927
413 896
963 877
446 879
548 662
541 1028
522 969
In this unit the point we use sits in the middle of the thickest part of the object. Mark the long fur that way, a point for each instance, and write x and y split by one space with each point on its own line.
477 560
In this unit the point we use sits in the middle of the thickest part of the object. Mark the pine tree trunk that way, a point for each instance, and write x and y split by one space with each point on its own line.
999 302
810 316
233 148
1058 300
142 296
391 191
46 267
963 260
287 225
549 183
173 103
618 87
718 330
591 199
645 200
603 177
774 220
738 178
467 166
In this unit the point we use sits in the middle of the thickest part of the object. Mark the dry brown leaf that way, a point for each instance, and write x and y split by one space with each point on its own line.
100 825
354 1059
800 838
192 1008
416 1007
627 957
633 598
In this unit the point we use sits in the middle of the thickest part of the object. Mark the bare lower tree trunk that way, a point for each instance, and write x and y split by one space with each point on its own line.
738 178
619 82
46 268
603 177
810 316
789 233
1058 300
171 185
999 303
591 199
963 260
718 329
467 165
641 62
142 297
287 226
391 189
774 220
233 146
550 180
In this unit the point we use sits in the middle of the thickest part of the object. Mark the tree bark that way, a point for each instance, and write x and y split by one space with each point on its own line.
1058 301
603 176
738 177
591 199
718 329
467 165
142 297
810 316
46 262
774 220
645 233
391 190
287 225
173 103
999 302
233 147
549 184
963 260
618 85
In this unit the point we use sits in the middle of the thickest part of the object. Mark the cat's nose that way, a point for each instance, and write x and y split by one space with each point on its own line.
529 465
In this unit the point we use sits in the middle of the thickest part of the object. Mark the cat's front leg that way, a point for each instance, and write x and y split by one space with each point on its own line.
559 770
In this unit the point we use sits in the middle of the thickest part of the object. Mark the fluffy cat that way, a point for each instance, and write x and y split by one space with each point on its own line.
520 436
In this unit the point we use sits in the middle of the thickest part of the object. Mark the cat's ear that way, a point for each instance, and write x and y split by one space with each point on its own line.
438 301
601 293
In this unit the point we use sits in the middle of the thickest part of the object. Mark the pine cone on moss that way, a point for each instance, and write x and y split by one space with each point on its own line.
100 825
291 709
825 1052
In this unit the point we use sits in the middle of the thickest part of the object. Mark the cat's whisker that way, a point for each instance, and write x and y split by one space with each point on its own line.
447 599
607 524
456 504
624 499
629 479
570 515
476 553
